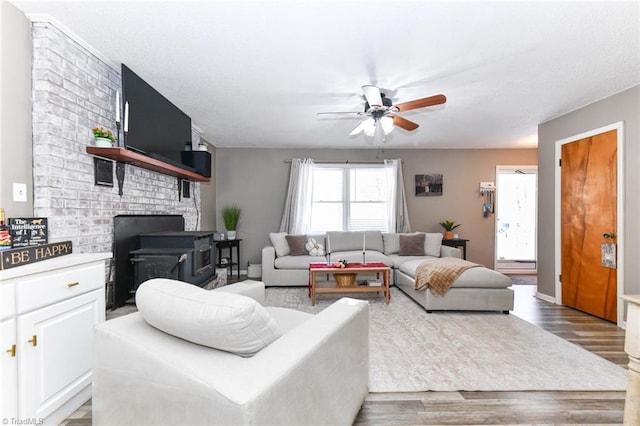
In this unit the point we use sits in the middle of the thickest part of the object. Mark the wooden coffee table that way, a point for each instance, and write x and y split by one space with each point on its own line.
356 268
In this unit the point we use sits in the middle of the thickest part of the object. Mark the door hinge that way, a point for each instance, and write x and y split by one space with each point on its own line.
560 162
560 277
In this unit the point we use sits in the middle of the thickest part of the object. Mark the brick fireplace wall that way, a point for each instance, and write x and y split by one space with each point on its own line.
74 90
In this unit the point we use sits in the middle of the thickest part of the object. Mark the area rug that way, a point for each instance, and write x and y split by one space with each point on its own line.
411 350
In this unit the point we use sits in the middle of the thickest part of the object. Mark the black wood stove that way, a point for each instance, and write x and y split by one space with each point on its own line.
182 255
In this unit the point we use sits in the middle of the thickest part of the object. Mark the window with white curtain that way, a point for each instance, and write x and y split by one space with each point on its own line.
349 197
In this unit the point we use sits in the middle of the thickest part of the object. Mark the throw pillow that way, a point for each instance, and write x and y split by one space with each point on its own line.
225 321
392 242
279 243
411 245
432 244
314 247
296 244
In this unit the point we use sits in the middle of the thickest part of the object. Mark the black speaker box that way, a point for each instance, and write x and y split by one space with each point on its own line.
198 160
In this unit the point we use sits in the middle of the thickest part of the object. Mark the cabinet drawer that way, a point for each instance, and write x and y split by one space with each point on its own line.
47 288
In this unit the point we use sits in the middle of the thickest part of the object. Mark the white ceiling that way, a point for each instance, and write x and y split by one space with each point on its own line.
254 74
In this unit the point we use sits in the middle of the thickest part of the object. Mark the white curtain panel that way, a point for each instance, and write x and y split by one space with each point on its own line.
296 217
398 213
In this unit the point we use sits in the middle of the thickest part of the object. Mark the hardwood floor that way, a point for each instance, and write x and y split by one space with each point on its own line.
484 408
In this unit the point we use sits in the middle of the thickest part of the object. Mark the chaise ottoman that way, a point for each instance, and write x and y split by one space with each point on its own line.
476 289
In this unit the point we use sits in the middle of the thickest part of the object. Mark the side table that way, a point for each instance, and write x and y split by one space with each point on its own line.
632 348
457 243
229 244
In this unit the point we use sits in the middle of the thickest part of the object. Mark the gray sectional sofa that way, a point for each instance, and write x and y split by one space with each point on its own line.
476 289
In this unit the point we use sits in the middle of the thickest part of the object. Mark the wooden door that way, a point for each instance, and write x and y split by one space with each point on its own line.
588 210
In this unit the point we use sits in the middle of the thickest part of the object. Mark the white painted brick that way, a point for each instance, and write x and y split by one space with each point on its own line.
74 91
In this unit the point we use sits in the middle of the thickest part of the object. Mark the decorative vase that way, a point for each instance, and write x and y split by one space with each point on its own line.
103 143
231 235
448 235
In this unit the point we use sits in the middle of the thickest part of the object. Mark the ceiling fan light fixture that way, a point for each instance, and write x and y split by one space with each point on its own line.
369 127
387 125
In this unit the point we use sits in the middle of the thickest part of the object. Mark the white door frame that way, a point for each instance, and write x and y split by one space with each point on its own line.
619 127
495 257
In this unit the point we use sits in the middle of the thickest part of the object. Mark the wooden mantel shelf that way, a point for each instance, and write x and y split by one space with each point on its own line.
123 155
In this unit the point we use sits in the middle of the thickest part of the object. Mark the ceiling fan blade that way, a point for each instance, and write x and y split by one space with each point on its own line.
372 93
359 128
404 123
421 103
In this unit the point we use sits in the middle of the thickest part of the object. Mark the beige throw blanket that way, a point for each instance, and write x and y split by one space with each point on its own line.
439 273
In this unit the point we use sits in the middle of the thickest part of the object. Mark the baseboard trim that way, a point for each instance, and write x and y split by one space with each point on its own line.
546 298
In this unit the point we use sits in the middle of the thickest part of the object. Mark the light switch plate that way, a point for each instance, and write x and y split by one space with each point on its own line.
20 192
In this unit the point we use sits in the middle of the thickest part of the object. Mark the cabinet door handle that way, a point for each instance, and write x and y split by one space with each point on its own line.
33 340
12 351
73 284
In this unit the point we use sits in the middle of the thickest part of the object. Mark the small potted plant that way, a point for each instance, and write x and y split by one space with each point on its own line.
104 138
449 226
231 216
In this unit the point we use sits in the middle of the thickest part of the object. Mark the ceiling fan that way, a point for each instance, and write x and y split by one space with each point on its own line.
383 115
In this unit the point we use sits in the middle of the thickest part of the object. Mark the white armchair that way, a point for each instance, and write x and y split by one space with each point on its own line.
316 372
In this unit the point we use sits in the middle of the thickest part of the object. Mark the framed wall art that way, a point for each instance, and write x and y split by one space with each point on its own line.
428 185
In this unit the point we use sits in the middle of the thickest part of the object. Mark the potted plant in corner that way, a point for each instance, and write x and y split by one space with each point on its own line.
104 138
231 216
449 226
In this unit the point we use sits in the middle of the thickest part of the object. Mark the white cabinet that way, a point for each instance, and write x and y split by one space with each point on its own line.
56 304
8 370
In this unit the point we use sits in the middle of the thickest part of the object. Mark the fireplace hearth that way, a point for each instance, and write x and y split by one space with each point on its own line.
187 256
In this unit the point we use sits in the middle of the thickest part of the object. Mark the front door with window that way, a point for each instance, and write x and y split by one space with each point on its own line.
516 220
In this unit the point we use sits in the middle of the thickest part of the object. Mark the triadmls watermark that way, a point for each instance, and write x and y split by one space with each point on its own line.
24 421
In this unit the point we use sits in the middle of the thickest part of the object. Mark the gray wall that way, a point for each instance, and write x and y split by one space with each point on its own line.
256 180
15 109
624 106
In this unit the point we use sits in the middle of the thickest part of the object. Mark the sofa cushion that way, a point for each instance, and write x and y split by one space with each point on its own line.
349 241
297 262
412 245
279 243
225 321
481 277
432 243
373 241
391 242
355 256
297 244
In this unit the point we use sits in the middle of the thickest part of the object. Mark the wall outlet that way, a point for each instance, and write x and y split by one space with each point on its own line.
20 192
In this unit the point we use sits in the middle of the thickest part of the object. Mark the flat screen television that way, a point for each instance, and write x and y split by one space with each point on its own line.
157 127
